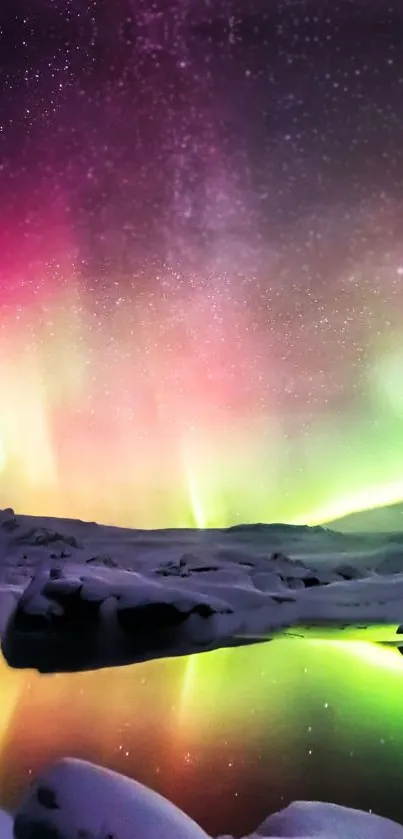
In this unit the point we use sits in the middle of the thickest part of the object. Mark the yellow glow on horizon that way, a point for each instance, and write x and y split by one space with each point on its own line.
370 498
3 457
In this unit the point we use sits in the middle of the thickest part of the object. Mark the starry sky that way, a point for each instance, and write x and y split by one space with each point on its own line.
201 265
229 736
201 279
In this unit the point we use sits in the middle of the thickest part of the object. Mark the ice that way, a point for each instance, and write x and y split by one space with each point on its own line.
77 596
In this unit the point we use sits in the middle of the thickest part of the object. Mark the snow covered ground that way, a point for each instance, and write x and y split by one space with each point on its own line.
79 596
74 799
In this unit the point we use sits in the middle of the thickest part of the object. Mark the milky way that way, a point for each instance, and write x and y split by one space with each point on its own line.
201 263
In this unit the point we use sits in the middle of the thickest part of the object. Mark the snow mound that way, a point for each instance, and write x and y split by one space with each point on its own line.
77 800
308 819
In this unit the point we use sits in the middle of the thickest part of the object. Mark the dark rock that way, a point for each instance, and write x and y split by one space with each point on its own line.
8 520
66 610
348 572
25 828
105 561
47 797
156 621
42 537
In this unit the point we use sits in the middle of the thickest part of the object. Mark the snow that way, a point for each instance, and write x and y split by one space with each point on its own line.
79 596
306 819
74 798
6 826
77 799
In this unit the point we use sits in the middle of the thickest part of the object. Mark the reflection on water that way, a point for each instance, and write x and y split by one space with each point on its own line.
228 736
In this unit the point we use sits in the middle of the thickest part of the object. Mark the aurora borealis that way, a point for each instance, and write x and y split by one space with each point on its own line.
200 260
201 297
229 735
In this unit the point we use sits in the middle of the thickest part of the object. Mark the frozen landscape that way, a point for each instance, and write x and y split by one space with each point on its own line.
201 311
81 596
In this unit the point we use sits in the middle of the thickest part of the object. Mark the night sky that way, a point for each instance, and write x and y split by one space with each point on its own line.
201 263
201 279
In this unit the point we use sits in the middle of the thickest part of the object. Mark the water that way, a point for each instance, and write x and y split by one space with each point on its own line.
229 736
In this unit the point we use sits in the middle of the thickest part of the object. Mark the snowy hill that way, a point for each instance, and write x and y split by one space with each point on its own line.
387 519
